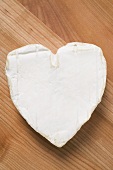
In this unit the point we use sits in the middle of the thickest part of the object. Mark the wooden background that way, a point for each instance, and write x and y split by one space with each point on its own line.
21 148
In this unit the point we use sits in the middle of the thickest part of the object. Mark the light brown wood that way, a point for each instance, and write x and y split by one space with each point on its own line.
90 21
78 20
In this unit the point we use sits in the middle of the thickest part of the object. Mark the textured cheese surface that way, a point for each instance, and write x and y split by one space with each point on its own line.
56 93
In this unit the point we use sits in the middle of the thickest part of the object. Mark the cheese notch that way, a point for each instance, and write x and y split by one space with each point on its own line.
56 93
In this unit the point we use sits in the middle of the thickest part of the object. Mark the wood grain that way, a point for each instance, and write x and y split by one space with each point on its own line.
81 20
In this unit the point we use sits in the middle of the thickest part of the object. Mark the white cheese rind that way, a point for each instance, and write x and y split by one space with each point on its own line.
56 94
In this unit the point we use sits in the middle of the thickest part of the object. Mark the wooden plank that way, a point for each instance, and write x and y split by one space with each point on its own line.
20 146
80 20
25 27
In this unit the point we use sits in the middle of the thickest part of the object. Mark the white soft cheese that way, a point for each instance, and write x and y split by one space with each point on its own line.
56 94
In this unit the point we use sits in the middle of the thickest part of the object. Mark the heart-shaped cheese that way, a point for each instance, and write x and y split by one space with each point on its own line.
56 93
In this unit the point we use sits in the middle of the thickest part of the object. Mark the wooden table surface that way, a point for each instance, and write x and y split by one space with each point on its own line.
21 23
